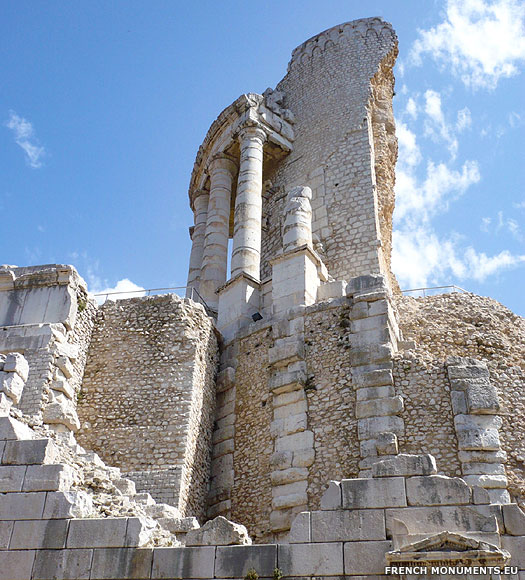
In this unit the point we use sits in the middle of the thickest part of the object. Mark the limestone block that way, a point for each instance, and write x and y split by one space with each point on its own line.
369 338
459 403
17 565
139 531
281 459
97 533
117 563
288 398
290 500
295 442
235 561
223 434
281 520
482 456
332 498
12 478
379 407
430 490
348 525
514 519
370 323
171 563
21 506
283 381
39 534
303 458
476 432
369 393
386 444
17 363
12 385
288 475
64 364
371 427
470 371
433 520
499 496
482 398
293 423
57 477
61 385
405 465
286 353
366 557
480 495
301 529
311 560
373 493
330 290
29 452
61 411
66 349
125 486
162 510
487 481
225 379
371 296
371 354
179 525
5 405
516 546
67 504
483 468
218 532
6 530
223 448
368 282
62 564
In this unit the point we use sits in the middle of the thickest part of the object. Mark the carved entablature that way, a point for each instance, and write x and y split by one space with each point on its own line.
445 551
265 111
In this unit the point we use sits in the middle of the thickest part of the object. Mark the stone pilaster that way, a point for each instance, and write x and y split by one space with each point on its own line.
200 208
246 255
215 253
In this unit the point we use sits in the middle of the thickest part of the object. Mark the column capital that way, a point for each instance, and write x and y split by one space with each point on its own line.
222 161
251 131
199 198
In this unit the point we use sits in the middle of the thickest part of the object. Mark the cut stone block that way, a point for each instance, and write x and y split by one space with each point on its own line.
499 496
64 364
373 493
372 378
17 363
468 371
482 398
179 525
36 451
379 407
386 444
290 475
480 495
332 498
125 486
97 533
348 525
366 557
57 477
118 563
225 379
482 456
303 458
514 519
301 529
39 534
67 504
516 546
459 403
218 532
235 561
61 411
295 442
6 529
12 478
478 439
373 426
290 500
487 481
61 385
286 353
369 393
437 490
17 565
172 563
21 506
62 564
139 531
311 559
433 520
12 385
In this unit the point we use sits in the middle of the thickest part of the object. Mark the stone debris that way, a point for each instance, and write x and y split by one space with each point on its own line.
218 532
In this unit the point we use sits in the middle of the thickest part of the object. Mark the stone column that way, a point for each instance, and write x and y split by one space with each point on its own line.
200 204
215 254
246 255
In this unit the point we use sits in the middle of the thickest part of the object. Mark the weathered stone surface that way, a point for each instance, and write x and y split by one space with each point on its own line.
39 534
6 529
405 465
311 560
179 525
17 363
301 529
371 427
487 481
218 532
57 477
379 407
332 498
480 495
347 525
67 504
514 519
97 533
183 562
118 563
17 565
366 557
516 546
33 452
235 561
61 411
21 506
372 378
62 564
11 429
373 493
12 478
437 490
482 398
12 385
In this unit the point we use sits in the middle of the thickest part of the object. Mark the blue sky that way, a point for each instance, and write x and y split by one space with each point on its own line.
103 106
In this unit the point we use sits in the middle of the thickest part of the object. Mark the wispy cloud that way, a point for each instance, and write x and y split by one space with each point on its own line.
481 41
24 135
502 223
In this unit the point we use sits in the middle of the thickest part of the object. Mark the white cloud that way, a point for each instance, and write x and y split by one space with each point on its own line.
25 137
435 125
464 119
124 288
481 41
502 224
411 108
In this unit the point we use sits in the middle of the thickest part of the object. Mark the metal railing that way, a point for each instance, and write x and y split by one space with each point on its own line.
193 295
450 288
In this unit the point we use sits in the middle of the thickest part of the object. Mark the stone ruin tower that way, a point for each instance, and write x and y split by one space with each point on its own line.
295 391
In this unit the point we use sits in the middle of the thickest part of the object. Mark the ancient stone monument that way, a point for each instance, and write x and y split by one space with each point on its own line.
294 415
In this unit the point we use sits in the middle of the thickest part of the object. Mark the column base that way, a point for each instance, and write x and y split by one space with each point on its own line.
239 300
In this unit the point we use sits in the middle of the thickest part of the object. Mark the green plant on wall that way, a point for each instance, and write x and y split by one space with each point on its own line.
251 575
277 574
